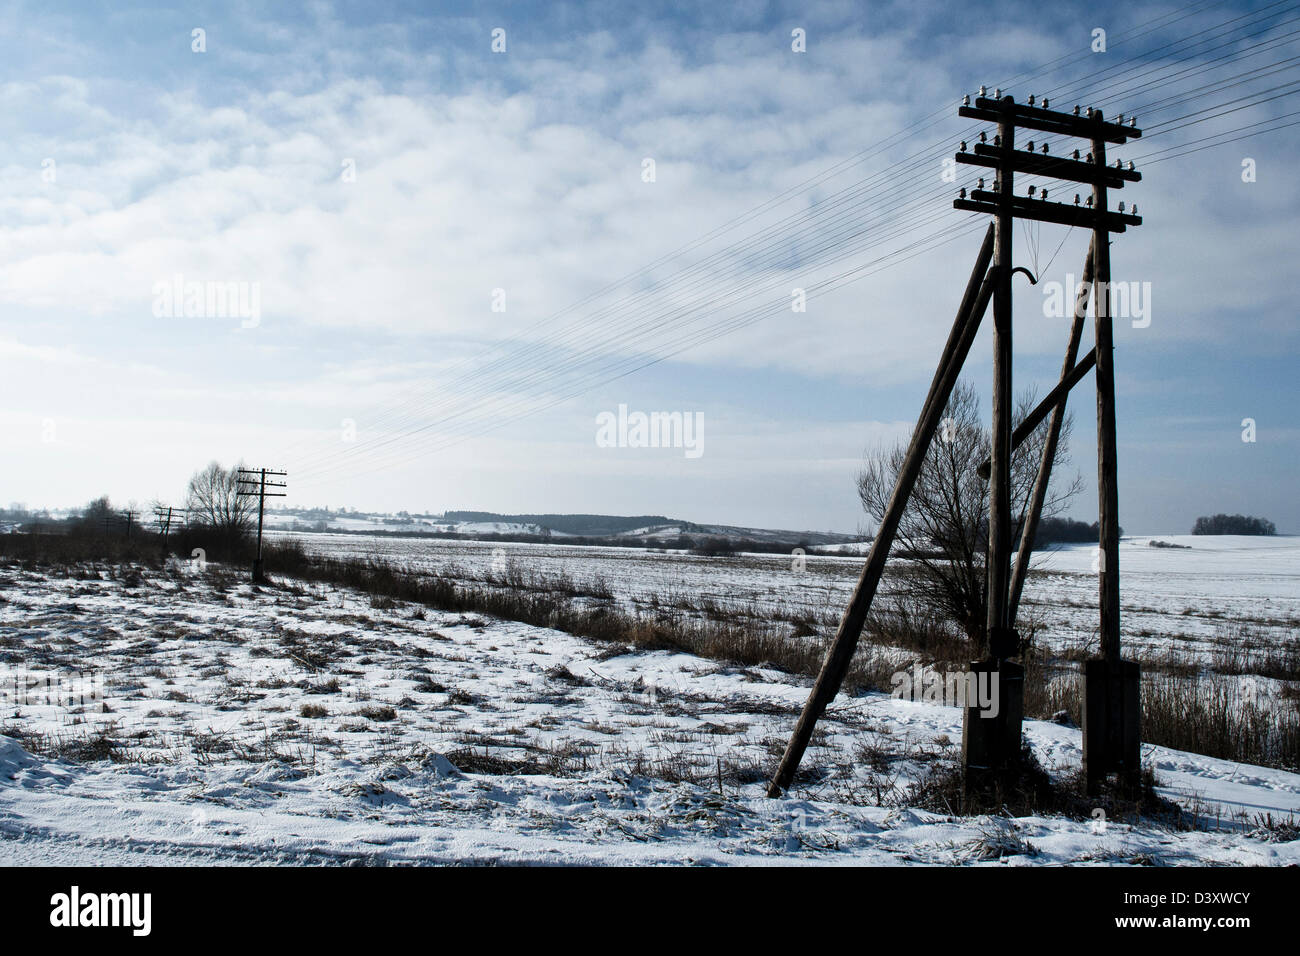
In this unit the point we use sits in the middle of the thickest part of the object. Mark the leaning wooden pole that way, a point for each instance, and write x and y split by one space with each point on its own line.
840 654
1039 495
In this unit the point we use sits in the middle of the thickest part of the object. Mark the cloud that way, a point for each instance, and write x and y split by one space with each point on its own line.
523 173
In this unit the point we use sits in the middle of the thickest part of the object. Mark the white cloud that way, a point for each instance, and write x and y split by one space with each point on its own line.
524 173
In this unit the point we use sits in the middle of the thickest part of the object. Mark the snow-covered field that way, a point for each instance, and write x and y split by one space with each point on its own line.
242 724
1191 600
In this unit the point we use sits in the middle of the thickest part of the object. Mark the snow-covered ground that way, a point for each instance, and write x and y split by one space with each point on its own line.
1192 600
242 724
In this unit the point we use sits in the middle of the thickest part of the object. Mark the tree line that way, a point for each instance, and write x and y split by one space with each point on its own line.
1233 524
215 512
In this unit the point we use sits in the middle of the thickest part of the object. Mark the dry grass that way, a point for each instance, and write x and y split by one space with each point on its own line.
553 601
1185 706
1028 789
1209 714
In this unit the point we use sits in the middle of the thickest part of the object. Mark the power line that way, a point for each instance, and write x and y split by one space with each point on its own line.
635 365
520 364
1150 27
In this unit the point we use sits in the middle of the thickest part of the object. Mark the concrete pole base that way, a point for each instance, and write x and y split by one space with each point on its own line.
990 736
1112 739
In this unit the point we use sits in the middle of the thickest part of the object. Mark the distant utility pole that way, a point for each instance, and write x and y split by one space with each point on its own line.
130 514
164 515
257 486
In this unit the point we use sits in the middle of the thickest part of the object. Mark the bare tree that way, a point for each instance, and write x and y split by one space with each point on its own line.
99 515
213 502
945 525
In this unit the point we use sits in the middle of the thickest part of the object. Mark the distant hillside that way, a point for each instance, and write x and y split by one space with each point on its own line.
631 530
652 528
593 525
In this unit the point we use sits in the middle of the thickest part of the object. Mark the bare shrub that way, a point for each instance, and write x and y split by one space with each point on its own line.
213 504
944 528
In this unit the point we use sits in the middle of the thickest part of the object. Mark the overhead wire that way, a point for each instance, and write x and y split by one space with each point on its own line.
921 157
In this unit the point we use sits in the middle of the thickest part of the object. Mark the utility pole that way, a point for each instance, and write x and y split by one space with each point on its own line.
130 515
257 486
999 544
1107 458
163 514
991 741
1112 686
1111 707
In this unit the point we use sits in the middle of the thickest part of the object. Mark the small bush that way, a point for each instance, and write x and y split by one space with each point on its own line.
565 676
714 547
330 686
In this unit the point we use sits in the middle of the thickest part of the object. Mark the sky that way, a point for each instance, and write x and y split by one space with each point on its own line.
415 270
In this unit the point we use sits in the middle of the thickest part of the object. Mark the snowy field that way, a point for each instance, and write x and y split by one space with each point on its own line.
304 725
1192 600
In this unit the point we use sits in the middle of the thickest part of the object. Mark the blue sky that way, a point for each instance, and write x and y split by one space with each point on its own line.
523 171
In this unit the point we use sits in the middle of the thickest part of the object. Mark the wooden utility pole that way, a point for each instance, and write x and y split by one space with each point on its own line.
257 486
130 515
999 544
163 514
1111 709
1113 704
1107 458
992 745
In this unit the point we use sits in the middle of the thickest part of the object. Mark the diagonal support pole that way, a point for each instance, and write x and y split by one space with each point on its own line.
1070 374
1052 399
979 290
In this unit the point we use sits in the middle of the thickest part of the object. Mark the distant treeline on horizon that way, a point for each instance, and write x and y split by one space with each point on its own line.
1233 524
573 524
